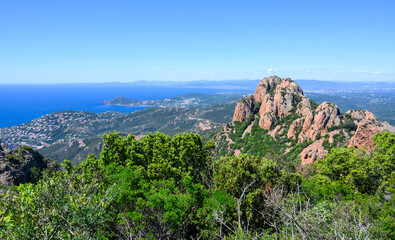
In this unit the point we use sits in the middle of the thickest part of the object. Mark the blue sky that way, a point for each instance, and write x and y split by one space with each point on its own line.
105 41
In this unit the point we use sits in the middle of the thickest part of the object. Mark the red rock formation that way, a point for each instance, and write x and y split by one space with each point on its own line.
280 98
313 152
363 137
326 115
297 124
361 115
368 126
244 109
304 107
265 86
275 131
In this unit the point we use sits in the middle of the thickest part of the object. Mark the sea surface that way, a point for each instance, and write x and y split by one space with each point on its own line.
23 103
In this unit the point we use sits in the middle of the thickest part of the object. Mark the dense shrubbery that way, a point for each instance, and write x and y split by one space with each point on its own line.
259 143
170 188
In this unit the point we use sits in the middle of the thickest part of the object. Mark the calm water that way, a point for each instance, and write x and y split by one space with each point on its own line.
23 103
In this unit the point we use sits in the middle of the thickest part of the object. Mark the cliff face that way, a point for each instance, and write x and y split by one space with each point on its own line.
368 126
289 116
244 108
17 165
318 122
279 98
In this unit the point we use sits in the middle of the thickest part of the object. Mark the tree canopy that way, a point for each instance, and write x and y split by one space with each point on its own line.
160 187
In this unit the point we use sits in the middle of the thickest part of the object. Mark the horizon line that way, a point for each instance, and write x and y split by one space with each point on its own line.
190 81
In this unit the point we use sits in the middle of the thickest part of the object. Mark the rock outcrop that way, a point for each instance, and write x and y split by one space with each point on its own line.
279 99
4 150
367 128
363 137
361 115
244 108
297 124
316 123
17 166
313 152
284 112
276 99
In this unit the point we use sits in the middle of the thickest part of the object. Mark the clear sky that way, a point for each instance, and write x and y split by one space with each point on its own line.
56 41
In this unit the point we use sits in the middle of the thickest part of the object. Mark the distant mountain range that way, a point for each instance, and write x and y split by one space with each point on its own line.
328 86
246 84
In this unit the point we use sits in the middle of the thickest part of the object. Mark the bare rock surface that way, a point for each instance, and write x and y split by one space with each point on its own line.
279 99
368 126
363 137
17 165
297 124
244 108
275 131
264 86
313 152
361 115
326 115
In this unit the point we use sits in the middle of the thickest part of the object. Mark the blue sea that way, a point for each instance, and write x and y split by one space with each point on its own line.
23 103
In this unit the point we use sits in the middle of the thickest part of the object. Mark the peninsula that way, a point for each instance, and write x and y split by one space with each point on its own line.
183 101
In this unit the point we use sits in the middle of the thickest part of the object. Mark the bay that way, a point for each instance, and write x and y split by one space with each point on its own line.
23 103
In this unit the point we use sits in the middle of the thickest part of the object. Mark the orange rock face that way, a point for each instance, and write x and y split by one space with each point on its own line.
244 109
280 98
297 124
265 86
326 115
363 137
361 115
313 152
368 126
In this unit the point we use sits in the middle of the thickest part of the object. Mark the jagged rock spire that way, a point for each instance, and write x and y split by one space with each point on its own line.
278 98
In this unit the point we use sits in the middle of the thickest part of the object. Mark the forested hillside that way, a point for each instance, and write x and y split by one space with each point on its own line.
284 168
186 100
74 134
170 188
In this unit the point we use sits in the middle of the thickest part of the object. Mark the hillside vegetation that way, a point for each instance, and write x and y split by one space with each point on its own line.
284 168
160 187
186 100
74 134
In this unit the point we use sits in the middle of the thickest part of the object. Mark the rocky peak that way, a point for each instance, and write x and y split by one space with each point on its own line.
265 86
280 102
276 98
363 137
284 112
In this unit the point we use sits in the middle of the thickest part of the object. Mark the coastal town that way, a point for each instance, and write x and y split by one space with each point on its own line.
51 128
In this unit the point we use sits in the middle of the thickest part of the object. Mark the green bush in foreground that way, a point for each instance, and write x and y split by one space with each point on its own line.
169 188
